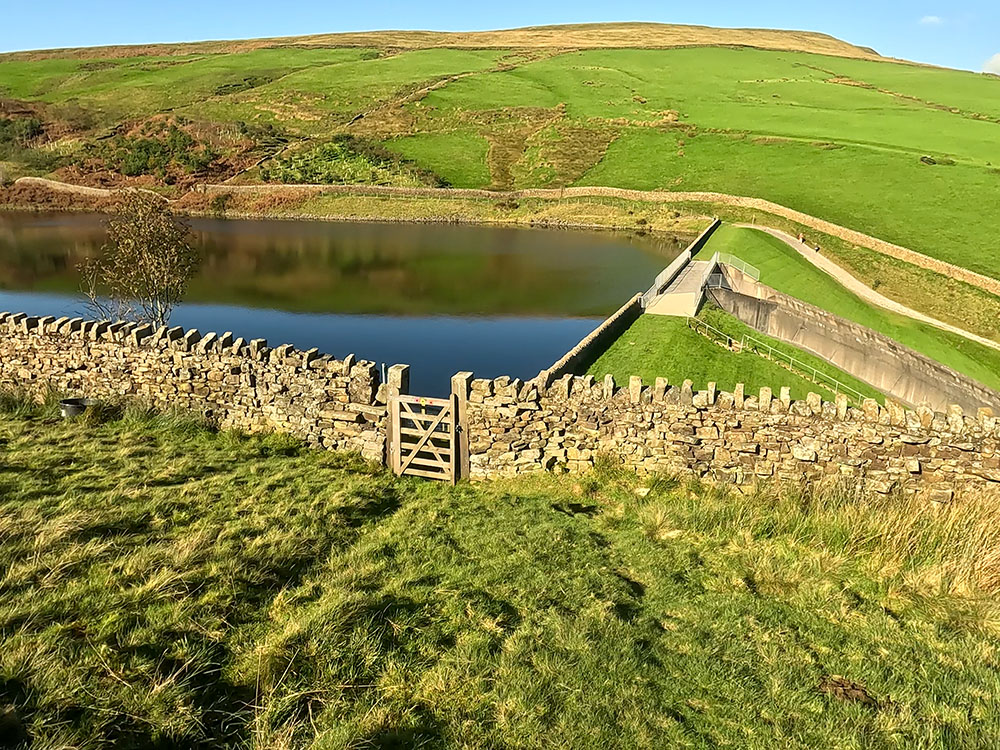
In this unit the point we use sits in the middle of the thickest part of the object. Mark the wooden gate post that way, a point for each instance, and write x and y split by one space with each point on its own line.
397 384
460 386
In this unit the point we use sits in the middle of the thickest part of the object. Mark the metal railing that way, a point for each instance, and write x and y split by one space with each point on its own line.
717 281
664 277
671 272
713 264
766 351
696 325
739 265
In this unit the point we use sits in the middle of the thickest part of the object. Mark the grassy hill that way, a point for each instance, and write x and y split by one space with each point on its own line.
166 586
904 152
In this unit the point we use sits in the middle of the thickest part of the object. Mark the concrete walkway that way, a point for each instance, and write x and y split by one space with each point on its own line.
684 294
689 280
866 292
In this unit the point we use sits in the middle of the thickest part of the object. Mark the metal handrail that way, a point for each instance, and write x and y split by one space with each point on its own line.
750 343
664 277
709 270
739 265
717 281
695 323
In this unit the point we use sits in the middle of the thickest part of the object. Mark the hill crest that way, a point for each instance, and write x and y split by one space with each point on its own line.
569 36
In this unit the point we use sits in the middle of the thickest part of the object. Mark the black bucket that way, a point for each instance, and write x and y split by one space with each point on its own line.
73 407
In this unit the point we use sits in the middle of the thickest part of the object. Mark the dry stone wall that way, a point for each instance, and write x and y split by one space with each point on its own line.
584 354
511 427
240 384
516 428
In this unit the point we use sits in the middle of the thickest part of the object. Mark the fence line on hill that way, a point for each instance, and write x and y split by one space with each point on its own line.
765 351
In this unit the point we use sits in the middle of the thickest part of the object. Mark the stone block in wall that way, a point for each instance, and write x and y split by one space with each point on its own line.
764 399
609 387
801 409
660 390
687 393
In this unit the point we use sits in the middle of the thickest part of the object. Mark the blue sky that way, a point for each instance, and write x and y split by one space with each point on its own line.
956 33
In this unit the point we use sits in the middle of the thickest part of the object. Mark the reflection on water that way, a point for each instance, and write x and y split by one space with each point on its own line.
442 298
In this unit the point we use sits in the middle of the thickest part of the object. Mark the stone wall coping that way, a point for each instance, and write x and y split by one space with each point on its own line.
143 335
580 389
632 307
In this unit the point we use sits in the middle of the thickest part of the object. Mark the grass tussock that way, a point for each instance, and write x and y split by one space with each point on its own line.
164 585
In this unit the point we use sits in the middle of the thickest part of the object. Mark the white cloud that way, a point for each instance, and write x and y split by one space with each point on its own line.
993 64
931 21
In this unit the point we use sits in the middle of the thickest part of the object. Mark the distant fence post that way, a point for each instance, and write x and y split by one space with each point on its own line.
397 384
460 386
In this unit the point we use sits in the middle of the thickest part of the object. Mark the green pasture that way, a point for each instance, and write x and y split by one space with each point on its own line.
458 157
316 98
751 91
143 86
771 125
667 347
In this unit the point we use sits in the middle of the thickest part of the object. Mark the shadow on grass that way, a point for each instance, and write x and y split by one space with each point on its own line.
15 702
426 734
572 509
373 505
223 709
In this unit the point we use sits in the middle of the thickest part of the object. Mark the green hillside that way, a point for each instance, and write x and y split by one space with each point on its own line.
903 152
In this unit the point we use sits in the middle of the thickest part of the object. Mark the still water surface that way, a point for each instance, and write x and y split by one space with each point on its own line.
442 298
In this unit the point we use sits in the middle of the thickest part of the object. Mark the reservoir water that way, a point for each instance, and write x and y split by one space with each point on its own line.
441 298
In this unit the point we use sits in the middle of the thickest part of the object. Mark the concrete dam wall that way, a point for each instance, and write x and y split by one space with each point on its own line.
870 356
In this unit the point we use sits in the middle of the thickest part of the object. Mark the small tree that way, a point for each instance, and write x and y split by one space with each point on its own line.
145 265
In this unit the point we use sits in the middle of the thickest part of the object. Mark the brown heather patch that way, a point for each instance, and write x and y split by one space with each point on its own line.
38 198
564 152
668 119
277 203
92 173
771 140
508 132
569 36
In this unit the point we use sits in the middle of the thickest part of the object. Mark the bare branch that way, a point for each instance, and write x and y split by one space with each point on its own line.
145 266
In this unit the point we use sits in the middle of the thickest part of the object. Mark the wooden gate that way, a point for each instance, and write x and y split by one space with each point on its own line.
423 438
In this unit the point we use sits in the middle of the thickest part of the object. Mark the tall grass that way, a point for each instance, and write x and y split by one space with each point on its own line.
904 540
164 585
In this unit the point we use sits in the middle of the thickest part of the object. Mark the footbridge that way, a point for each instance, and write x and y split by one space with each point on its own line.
680 289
